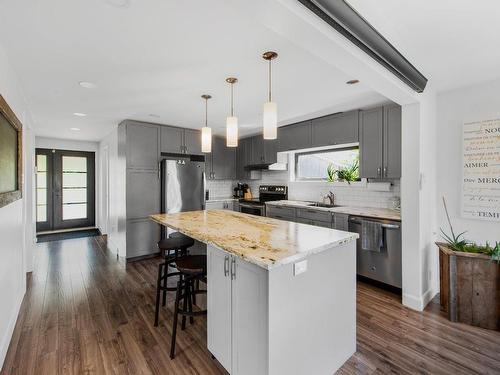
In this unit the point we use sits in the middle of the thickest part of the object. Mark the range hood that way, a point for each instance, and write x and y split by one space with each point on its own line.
280 165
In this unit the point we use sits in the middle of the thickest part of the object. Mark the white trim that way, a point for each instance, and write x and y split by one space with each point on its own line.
6 339
419 303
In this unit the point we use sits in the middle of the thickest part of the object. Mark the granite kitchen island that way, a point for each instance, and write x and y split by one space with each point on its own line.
281 295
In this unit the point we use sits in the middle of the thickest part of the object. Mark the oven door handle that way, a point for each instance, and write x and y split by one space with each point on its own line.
250 206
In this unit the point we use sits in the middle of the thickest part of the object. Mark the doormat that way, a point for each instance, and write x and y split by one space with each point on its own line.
68 235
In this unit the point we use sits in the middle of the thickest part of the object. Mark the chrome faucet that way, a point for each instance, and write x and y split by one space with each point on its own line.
331 197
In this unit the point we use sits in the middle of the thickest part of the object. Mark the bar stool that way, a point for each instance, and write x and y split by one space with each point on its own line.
192 268
178 235
172 249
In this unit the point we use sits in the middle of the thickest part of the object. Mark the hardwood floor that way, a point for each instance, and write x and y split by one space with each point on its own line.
85 312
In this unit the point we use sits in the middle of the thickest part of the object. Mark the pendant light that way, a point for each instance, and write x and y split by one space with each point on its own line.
232 121
206 132
270 117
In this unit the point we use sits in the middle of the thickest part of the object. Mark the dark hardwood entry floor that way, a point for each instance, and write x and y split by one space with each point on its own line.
85 312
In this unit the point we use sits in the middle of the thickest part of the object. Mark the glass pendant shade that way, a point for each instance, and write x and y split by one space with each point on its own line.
232 131
270 120
206 139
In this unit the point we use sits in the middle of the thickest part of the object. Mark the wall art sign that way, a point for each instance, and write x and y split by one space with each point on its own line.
481 170
11 151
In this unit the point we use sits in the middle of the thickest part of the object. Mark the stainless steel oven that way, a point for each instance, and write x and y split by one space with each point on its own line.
267 193
253 209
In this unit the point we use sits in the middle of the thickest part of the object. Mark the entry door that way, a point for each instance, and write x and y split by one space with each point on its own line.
65 189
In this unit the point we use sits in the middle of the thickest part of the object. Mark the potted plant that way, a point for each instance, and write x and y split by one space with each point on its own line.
348 174
469 280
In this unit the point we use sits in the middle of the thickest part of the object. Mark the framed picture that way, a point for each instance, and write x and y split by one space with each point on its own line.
11 151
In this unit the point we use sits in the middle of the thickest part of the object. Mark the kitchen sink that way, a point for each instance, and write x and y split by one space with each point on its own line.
324 205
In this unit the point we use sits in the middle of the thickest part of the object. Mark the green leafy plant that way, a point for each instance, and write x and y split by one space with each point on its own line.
459 243
348 173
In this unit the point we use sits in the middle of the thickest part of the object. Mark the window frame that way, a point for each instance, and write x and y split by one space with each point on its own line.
330 149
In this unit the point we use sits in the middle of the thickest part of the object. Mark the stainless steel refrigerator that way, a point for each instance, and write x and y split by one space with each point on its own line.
182 184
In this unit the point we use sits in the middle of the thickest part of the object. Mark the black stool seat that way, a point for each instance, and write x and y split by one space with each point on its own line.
192 264
178 235
175 243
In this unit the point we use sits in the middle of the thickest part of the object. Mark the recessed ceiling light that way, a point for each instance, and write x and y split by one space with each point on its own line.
119 3
352 81
87 85
75 129
79 114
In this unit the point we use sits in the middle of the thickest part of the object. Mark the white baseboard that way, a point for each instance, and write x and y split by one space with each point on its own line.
7 337
419 302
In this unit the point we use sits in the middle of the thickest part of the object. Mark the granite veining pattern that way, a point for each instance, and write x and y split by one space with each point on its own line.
263 241
373 212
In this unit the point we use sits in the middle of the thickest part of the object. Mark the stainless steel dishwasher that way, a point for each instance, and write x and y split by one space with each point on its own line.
385 265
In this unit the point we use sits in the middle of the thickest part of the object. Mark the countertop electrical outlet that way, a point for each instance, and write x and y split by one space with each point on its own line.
299 267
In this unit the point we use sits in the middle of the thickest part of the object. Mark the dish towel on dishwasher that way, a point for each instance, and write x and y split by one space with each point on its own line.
371 236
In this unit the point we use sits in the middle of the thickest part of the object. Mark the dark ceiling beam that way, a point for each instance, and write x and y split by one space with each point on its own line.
344 19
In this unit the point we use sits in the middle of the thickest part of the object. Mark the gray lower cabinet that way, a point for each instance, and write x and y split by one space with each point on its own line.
280 212
143 193
392 142
341 221
221 162
335 129
172 139
142 237
220 205
294 137
141 144
380 142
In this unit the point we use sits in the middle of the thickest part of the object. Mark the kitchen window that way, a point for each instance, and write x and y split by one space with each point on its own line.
315 165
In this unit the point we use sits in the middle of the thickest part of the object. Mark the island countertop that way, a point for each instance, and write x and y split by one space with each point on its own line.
263 241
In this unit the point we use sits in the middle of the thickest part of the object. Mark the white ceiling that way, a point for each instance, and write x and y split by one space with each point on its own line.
453 43
158 57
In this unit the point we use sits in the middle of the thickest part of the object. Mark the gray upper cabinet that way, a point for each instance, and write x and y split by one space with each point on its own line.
243 158
192 142
172 139
221 162
270 151
294 137
380 142
370 143
257 150
392 142
142 145
335 129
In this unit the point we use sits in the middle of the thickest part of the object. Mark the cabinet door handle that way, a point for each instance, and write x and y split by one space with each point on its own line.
379 171
233 269
385 171
159 170
226 266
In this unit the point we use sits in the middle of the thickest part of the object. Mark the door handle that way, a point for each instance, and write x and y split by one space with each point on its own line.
379 171
385 171
233 269
159 170
226 266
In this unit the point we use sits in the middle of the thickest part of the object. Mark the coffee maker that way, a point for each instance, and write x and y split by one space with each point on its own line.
239 190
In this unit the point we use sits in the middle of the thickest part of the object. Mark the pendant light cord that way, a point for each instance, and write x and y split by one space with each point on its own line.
270 80
232 100
206 112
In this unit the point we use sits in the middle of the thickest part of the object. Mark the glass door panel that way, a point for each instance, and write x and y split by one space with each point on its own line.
65 189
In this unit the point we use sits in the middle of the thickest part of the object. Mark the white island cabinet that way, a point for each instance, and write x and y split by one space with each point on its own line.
281 296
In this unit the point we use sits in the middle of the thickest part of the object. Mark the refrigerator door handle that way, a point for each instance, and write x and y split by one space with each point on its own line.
203 184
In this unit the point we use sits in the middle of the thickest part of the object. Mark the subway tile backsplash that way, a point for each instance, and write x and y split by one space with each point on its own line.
312 191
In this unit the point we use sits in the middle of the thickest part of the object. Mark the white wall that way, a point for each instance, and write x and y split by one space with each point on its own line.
115 200
73 145
17 239
473 103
